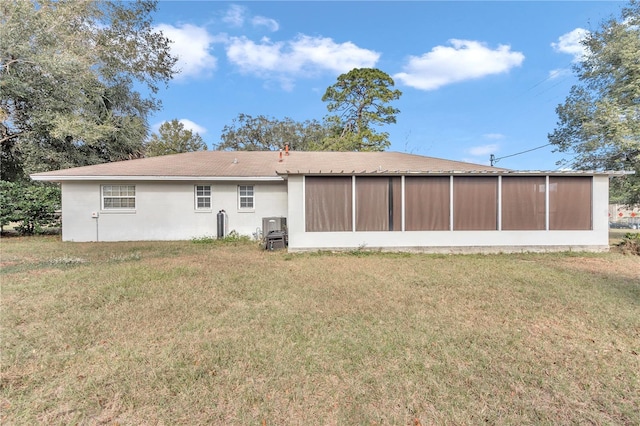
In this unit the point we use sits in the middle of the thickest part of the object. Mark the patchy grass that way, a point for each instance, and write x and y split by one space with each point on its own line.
183 333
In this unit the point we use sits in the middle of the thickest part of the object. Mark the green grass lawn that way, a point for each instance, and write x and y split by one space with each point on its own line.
185 333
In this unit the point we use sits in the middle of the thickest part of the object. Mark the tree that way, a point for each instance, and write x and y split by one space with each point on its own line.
263 133
599 123
68 70
7 203
32 205
360 97
173 138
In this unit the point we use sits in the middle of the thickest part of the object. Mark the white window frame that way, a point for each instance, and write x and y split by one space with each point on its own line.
205 195
244 196
107 192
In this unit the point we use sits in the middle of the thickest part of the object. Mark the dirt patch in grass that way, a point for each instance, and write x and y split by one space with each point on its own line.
624 266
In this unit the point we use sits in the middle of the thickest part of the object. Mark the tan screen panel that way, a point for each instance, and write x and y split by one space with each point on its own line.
570 203
427 203
523 203
378 203
475 203
328 203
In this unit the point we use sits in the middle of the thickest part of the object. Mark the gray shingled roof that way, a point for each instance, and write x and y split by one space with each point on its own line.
264 164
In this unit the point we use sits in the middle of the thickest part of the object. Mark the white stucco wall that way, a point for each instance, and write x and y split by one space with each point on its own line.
165 211
596 239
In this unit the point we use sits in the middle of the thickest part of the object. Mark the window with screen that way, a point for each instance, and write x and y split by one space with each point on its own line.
118 197
245 197
203 197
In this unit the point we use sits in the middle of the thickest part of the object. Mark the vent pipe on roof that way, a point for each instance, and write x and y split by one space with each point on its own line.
286 149
280 160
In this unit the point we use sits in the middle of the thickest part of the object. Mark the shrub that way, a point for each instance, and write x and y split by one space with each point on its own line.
232 237
630 243
203 240
235 237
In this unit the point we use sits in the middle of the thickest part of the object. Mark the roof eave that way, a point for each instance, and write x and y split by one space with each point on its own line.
53 178
461 172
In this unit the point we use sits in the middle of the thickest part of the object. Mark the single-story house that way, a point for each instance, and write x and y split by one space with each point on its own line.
336 200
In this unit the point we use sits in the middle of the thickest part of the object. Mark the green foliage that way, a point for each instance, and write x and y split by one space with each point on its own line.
203 240
7 203
235 237
264 133
630 243
32 205
599 123
68 70
232 237
360 98
173 138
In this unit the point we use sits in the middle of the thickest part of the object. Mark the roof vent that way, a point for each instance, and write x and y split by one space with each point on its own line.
235 161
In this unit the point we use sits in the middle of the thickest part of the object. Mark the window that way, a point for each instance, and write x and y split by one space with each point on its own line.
245 196
328 203
203 196
118 197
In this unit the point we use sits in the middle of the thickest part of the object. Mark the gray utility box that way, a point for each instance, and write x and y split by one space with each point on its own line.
270 224
276 240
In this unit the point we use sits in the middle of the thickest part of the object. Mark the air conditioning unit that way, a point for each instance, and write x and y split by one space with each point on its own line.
273 224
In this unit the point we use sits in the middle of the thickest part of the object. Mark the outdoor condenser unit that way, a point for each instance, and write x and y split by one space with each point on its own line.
274 232
271 224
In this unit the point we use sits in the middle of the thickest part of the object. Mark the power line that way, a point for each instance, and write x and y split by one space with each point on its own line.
493 159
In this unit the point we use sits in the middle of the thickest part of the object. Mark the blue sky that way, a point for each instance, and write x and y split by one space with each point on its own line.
478 78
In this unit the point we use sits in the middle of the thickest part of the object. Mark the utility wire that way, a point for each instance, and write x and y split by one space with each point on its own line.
494 160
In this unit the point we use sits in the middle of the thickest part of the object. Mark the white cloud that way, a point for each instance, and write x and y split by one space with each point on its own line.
570 43
235 15
483 150
190 125
186 123
261 21
559 72
464 60
493 136
191 45
474 161
250 56
303 55
325 53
